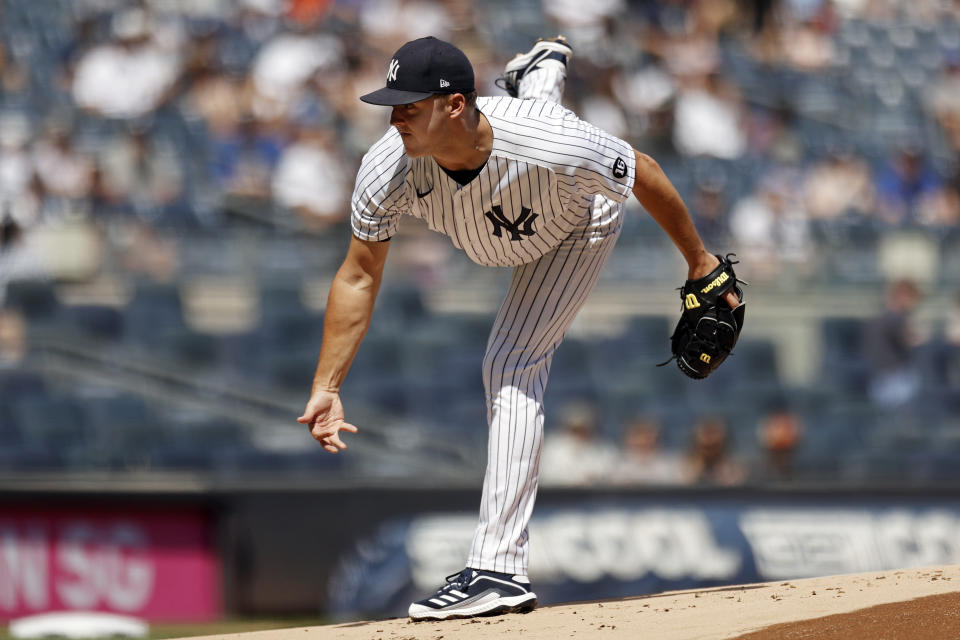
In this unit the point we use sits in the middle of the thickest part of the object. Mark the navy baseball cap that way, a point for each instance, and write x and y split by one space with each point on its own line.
422 68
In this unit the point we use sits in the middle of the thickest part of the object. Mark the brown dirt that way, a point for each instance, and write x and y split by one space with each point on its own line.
911 604
930 618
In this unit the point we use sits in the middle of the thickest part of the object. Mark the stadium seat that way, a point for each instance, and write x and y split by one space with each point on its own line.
30 459
934 469
180 459
281 298
378 357
154 308
122 427
201 430
950 259
399 305
36 299
900 433
883 468
290 370
250 461
18 383
190 348
54 424
388 396
50 421
290 331
10 435
842 366
94 321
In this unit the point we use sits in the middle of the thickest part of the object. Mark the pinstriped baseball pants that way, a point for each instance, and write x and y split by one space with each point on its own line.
541 303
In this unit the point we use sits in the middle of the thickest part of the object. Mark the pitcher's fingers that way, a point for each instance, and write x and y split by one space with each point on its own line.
305 419
321 430
349 427
331 448
732 299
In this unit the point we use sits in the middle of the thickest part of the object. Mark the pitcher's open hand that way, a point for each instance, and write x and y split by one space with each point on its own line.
324 415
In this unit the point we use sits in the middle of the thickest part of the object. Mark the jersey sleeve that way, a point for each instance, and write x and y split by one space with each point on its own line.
594 162
379 197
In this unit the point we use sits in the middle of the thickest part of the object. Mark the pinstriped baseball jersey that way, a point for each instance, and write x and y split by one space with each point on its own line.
536 189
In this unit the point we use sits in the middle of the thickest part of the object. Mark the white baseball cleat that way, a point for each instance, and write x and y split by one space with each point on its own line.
474 592
545 51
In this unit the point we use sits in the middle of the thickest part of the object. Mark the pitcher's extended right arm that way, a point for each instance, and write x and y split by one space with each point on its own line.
346 319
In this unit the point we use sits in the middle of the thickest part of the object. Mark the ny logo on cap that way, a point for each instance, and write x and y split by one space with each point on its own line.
392 71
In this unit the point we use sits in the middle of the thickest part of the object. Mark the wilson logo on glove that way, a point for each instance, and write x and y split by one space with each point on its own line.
719 280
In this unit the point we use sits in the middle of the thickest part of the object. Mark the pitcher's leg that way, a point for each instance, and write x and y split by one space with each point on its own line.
543 299
546 82
541 73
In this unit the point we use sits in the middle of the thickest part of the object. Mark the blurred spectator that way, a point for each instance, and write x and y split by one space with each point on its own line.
710 208
709 119
311 178
779 433
688 40
574 455
13 79
13 338
586 24
643 460
243 159
807 42
708 461
387 24
837 185
130 76
63 171
770 228
218 99
943 99
16 170
772 133
140 173
646 89
952 326
910 191
647 95
951 367
603 110
888 347
142 251
285 64
18 258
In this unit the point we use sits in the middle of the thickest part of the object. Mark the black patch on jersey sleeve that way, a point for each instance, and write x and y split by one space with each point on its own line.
619 168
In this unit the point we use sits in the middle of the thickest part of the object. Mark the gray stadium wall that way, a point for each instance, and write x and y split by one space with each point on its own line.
348 551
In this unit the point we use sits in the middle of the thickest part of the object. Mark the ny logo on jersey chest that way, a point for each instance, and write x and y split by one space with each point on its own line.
522 226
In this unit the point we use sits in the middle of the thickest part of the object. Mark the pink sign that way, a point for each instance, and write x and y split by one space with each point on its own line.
158 564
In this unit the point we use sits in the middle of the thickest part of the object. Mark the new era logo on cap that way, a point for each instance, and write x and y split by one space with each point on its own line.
429 66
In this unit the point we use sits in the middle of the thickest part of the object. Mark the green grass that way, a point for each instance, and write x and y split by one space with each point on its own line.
191 629
241 625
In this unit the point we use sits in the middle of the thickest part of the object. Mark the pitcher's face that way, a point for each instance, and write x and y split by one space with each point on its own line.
421 125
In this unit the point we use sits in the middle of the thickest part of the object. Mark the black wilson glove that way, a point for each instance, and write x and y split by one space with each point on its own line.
708 328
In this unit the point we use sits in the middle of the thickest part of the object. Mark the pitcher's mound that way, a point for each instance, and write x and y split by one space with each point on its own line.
909 604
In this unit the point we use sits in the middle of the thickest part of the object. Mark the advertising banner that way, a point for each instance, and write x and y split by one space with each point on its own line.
157 564
623 549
